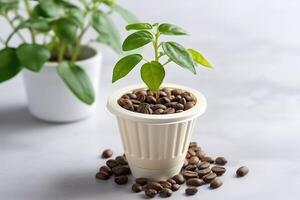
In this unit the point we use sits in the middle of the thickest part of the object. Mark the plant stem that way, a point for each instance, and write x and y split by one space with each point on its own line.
14 28
2 41
156 46
168 61
61 52
27 6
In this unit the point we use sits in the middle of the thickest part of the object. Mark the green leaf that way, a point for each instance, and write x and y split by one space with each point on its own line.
108 33
199 58
138 26
50 8
170 29
125 65
125 14
153 74
33 56
137 40
179 55
9 65
78 81
40 25
8 5
65 29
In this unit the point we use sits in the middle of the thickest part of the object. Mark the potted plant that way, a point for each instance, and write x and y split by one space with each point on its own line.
58 65
156 120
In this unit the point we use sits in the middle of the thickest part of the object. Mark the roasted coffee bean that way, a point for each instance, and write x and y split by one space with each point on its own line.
163 94
141 97
150 93
191 152
102 175
188 105
150 193
166 192
218 170
132 96
121 180
172 181
169 111
134 101
179 179
209 177
125 96
140 92
221 161
187 97
190 174
141 181
179 106
105 169
203 165
208 159
171 105
185 163
159 111
154 185
194 182
121 170
123 102
129 107
188 156
158 106
191 191
193 160
112 163
200 154
121 160
216 183
144 108
182 101
176 92
204 172
164 100
151 99
136 188
165 184
107 153
242 171
191 167
175 187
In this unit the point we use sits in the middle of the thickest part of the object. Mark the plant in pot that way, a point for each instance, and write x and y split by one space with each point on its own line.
59 65
156 120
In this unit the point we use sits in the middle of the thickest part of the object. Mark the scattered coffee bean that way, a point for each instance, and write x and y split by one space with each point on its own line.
107 153
175 187
216 183
191 191
242 171
121 180
190 174
141 181
112 163
191 152
150 193
209 177
154 185
194 160
179 179
186 163
203 165
194 182
121 170
121 160
191 167
221 161
204 172
102 175
218 170
166 192
208 159
172 181
106 169
136 188
165 184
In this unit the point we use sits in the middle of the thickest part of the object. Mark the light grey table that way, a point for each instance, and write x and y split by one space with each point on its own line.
252 119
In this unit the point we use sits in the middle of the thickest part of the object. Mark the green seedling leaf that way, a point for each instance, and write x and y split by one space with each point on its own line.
179 55
139 26
8 5
170 29
50 8
137 40
153 74
9 65
33 56
65 29
108 32
199 58
125 65
40 25
125 14
78 81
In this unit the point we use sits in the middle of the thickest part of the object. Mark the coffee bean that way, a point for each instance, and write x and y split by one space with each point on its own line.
121 160
169 111
191 191
158 106
242 171
165 184
140 92
134 101
203 165
102 175
175 187
208 159
216 183
194 160
154 185
191 152
176 92
150 193
123 102
179 179
218 170
182 101
185 163
190 174
144 108
194 182
221 161
164 100
121 170
151 99
188 105
136 188
141 97
163 94
159 111
121 180
204 172
209 177
105 169
141 181
172 181
132 96
166 192
107 153
191 167
200 155
112 163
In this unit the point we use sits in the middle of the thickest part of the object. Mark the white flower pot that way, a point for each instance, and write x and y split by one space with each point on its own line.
156 145
50 99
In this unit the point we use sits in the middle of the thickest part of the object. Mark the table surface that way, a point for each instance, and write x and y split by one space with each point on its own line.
252 119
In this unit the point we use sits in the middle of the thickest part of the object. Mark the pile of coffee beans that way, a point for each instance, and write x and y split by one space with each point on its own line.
167 101
197 170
